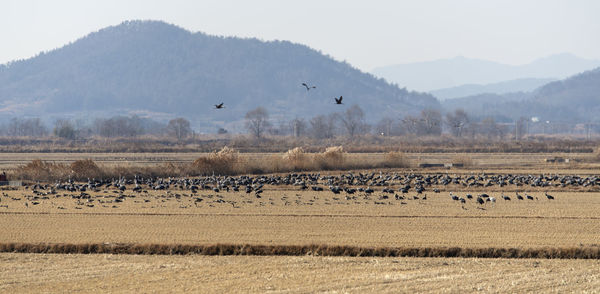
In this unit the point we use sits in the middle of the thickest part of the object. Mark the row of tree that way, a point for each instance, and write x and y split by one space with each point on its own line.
351 123
117 126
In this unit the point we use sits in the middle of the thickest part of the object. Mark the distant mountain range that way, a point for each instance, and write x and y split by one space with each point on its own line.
159 70
519 85
454 72
575 99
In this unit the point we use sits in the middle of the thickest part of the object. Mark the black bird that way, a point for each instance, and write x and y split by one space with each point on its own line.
308 87
338 100
219 106
550 197
519 196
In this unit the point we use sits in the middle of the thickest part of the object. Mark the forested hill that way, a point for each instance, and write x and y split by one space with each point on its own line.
575 99
158 68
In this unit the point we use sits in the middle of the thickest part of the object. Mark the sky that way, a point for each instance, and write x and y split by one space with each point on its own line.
366 34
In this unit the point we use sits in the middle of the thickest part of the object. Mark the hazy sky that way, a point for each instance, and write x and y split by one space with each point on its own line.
366 34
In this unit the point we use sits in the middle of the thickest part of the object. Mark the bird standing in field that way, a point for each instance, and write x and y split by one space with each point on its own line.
219 106
338 100
308 87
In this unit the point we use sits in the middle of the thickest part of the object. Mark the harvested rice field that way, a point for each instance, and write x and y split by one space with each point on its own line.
37 273
464 213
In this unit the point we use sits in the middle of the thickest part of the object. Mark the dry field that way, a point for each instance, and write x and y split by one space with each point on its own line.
285 215
37 273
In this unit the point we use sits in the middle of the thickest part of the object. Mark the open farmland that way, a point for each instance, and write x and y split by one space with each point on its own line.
289 209
369 209
291 274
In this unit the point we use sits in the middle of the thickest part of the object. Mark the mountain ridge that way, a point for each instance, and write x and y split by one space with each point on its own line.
452 72
157 68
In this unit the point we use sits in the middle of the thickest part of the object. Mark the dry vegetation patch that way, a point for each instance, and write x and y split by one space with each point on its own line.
224 162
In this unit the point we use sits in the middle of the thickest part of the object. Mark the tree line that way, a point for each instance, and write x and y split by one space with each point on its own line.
113 127
352 122
258 123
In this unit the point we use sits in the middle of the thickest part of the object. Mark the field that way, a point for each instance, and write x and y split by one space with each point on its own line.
288 215
291 274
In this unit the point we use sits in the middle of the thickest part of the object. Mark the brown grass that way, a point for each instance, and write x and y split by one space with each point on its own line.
592 252
367 143
227 161
464 160
86 168
223 162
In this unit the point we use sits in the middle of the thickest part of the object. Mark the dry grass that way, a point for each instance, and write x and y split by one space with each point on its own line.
227 161
224 162
592 252
368 143
464 160
291 274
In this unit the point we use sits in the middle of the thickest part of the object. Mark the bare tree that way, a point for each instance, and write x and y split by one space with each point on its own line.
118 126
26 127
411 124
489 128
457 122
385 127
257 121
179 128
322 126
353 120
431 122
298 127
63 128
520 127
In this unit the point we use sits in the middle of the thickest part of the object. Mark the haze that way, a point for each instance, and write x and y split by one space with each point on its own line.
365 34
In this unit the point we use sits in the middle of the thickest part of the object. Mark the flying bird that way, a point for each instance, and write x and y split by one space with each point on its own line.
338 100
219 106
308 87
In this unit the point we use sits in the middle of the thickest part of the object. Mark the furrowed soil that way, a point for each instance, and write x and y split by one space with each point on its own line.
37 273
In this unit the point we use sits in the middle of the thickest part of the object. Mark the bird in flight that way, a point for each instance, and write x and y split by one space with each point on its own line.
338 100
219 106
308 87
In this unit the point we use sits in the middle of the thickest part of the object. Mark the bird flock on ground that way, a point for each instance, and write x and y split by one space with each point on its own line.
376 188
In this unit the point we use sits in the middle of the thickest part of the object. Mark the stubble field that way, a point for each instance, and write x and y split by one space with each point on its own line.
286 215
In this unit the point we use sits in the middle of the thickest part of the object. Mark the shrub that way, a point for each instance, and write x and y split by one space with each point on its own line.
221 163
296 158
332 158
39 170
87 168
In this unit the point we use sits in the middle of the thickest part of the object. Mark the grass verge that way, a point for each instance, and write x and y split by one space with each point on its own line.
582 252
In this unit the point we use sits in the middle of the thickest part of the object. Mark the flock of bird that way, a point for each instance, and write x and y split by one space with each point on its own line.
337 100
353 186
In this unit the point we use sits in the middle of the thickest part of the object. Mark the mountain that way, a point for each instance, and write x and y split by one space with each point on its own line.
156 69
575 99
453 72
518 85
